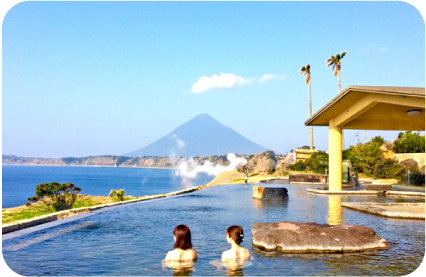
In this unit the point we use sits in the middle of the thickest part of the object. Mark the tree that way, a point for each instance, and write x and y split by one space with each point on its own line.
409 142
378 140
117 195
318 162
306 70
334 61
368 158
246 169
62 196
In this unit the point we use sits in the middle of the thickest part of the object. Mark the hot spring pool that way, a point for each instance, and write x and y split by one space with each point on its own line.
133 239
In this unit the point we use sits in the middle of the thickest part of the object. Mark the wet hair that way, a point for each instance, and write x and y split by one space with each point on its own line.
236 233
183 237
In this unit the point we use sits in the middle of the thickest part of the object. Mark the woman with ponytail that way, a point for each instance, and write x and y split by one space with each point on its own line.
234 236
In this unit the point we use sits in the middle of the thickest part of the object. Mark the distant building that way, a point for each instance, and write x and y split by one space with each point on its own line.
303 154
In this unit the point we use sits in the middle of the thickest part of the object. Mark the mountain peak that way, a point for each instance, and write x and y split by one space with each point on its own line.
201 136
203 116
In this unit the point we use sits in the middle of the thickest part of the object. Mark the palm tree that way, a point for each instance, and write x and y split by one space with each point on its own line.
335 62
306 70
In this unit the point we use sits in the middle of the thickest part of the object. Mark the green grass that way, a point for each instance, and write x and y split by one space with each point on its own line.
24 214
27 212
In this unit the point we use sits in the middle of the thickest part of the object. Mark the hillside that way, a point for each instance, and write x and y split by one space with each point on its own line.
202 136
260 162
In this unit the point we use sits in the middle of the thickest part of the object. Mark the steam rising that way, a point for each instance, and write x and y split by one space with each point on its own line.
188 169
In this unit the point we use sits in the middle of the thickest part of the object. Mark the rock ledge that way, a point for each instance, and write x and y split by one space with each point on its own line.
297 237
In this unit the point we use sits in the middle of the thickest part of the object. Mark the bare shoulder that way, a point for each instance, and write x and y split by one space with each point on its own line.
247 253
194 254
226 255
171 255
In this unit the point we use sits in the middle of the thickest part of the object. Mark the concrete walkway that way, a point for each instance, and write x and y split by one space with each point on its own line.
396 210
363 192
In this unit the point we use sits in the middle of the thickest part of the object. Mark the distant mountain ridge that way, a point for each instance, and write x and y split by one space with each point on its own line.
202 136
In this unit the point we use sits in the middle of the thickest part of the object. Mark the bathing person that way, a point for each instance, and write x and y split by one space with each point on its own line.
183 246
234 236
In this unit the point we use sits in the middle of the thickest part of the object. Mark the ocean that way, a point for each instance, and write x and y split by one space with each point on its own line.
19 181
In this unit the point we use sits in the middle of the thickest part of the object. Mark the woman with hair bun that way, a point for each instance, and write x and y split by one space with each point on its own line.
234 236
183 246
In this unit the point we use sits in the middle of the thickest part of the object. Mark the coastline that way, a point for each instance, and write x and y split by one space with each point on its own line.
153 167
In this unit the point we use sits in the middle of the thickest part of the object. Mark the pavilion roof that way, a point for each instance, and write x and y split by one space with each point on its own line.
374 108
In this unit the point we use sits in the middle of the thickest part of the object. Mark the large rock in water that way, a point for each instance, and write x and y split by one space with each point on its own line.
269 193
296 237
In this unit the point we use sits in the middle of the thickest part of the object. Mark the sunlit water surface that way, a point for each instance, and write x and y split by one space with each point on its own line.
134 239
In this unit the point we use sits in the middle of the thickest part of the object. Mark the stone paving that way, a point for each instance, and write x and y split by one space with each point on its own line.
396 210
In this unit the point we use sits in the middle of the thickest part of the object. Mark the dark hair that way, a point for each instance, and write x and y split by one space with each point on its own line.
236 233
183 237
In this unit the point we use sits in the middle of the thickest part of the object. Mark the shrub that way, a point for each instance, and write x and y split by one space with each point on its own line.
299 166
117 195
416 177
318 162
63 195
364 157
386 168
270 169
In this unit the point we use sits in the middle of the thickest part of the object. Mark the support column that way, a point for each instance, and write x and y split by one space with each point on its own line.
335 157
334 210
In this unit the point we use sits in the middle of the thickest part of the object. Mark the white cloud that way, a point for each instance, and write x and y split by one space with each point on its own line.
223 81
269 77
373 47
227 80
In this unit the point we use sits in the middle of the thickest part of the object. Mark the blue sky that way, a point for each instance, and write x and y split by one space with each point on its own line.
107 78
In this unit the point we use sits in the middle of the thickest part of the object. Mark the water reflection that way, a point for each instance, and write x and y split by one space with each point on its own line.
272 203
180 268
232 267
335 216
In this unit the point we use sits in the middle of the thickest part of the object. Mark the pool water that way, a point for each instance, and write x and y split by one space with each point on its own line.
133 239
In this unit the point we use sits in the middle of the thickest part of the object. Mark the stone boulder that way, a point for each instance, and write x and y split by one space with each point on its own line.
409 163
269 193
297 237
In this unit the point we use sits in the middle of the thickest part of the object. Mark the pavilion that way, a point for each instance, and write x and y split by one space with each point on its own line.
367 108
